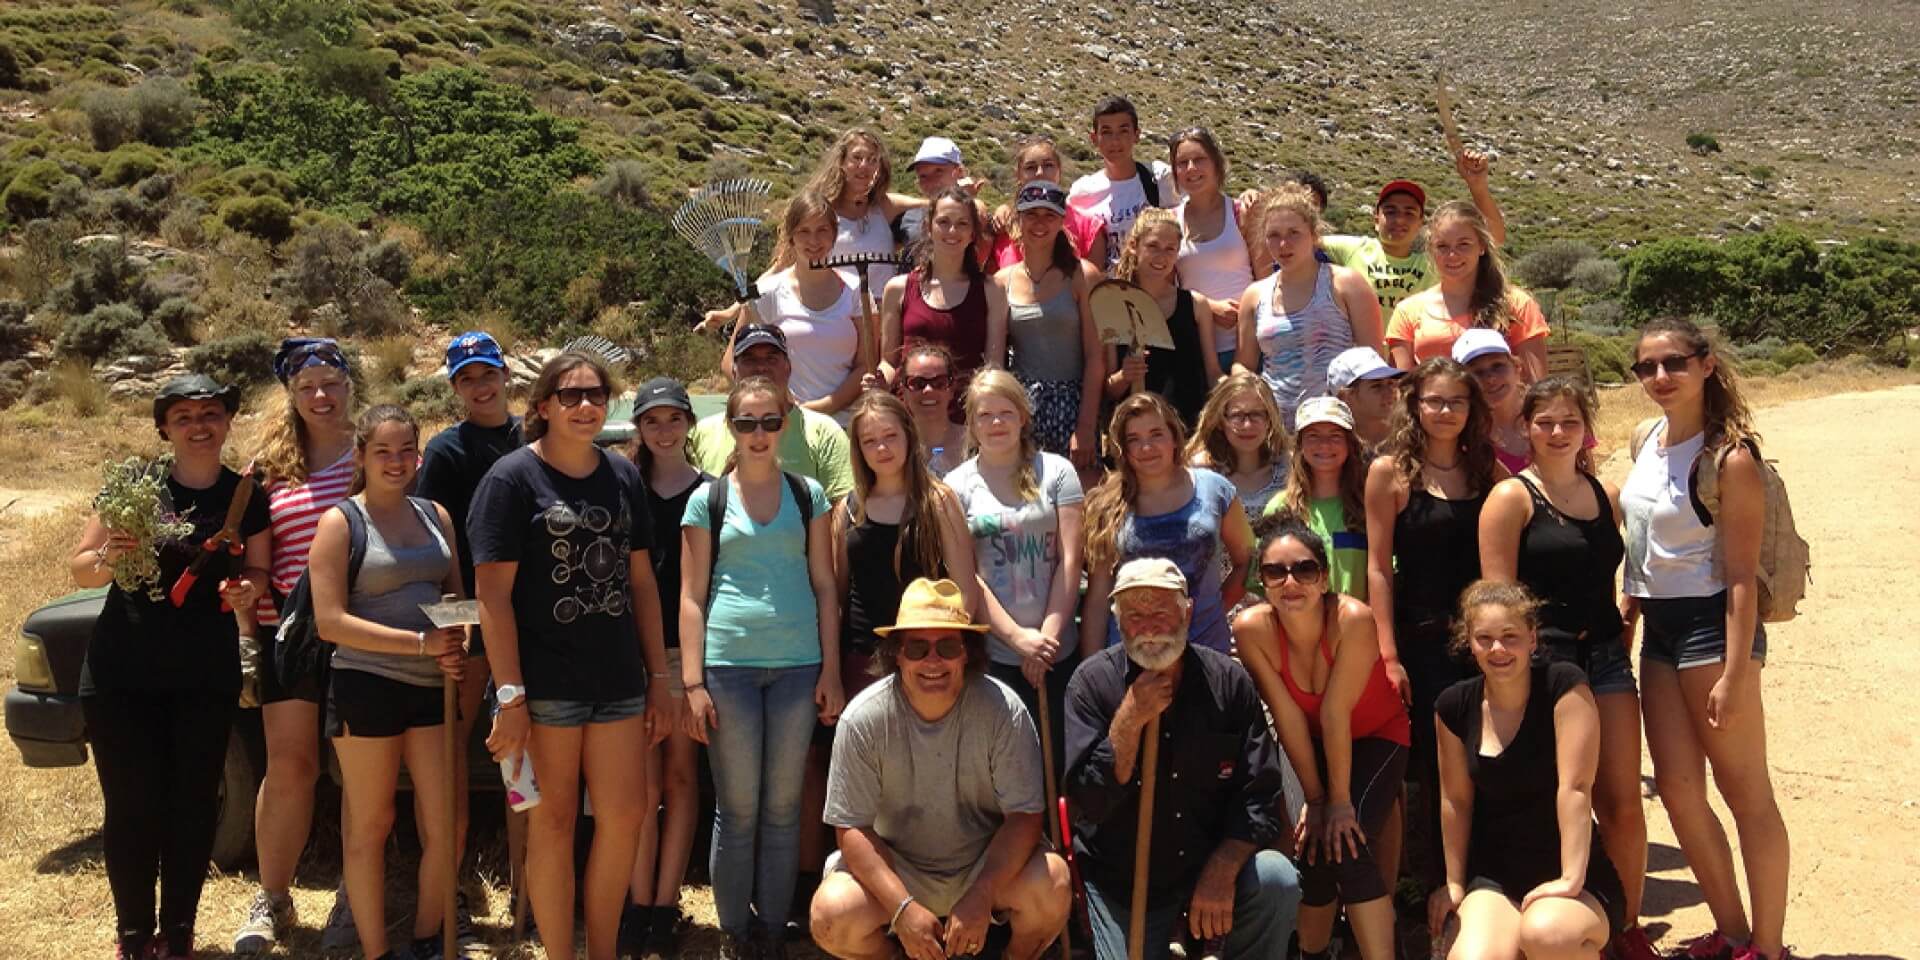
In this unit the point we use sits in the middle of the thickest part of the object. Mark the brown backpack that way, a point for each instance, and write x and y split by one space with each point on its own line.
1786 561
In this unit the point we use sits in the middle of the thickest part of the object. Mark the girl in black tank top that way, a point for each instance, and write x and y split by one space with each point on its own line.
1569 564
1436 547
879 566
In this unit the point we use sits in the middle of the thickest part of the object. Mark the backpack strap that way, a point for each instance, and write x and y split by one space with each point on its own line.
716 518
1641 432
804 502
356 538
1148 185
1703 480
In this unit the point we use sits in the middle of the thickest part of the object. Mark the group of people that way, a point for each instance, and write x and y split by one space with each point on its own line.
917 581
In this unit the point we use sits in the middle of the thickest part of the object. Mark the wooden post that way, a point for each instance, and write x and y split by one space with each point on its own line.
449 712
1053 800
1143 840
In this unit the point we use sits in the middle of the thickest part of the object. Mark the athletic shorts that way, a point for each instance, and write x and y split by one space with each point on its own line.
1608 667
579 713
361 704
1687 632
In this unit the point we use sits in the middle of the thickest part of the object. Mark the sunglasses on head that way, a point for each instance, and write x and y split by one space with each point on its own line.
1675 365
571 397
917 648
771 423
917 384
1305 572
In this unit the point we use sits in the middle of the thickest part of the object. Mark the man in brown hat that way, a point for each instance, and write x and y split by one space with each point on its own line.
935 792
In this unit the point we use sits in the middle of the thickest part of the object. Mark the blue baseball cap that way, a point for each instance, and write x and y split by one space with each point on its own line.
474 346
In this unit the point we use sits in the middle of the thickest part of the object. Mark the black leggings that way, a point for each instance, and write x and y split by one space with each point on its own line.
1379 766
159 755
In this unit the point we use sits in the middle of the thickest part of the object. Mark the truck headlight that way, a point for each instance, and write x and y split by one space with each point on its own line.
30 667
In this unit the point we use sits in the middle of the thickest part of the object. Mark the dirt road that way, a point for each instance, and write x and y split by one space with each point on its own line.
1842 686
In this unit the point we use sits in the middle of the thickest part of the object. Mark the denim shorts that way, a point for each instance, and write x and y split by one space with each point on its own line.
579 713
1608 667
1685 632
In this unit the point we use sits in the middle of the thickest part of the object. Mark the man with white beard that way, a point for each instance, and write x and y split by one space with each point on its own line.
1217 787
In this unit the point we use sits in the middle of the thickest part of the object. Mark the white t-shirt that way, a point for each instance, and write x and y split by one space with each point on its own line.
1116 204
1016 546
871 234
822 345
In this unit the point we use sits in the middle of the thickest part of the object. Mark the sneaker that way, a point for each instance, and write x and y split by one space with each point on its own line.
339 933
636 923
1749 953
134 948
464 935
269 920
1707 946
1632 944
425 948
663 935
733 947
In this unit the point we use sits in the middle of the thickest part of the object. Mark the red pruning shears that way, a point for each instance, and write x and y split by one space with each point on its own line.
228 538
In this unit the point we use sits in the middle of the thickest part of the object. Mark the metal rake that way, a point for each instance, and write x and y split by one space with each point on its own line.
723 220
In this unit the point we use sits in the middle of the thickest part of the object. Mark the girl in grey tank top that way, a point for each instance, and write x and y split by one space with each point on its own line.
1047 359
393 583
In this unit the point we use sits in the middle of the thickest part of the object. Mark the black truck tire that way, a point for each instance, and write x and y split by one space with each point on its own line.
233 833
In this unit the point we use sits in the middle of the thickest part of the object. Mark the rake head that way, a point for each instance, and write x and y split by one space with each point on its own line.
723 220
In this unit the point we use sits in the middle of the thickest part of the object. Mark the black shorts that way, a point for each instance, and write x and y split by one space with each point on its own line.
309 688
361 704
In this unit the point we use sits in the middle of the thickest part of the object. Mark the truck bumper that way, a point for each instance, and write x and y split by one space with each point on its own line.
49 729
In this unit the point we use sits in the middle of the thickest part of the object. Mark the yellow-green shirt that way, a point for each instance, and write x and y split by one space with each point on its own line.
1393 278
1346 549
811 445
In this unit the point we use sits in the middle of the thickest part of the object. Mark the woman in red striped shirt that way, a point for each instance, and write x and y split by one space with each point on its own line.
308 457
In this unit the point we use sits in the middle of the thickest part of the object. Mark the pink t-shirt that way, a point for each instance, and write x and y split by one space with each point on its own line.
1081 229
1422 321
297 509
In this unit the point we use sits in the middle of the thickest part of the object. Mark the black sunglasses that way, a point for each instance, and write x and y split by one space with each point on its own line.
571 397
1674 365
1305 572
771 423
917 384
917 648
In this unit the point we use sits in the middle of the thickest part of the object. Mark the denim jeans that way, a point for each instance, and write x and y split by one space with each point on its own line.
1266 900
759 756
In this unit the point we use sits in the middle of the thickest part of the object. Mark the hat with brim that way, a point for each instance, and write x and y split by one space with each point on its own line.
1358 363
193 386
1477 342
474 346
661 392
1402 186
1322 410
1041 195
936 150
756 334
932 605
1158 573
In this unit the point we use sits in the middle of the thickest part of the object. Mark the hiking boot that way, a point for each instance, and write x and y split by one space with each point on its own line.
134 948
1632 944
636 923
269 920
426 948
340 933
663 935
1707 946
733 947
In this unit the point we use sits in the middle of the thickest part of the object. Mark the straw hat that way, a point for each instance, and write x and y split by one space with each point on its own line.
932 605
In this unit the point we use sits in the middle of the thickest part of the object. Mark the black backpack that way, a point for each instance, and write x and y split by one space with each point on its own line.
298 650
717 493
1148 185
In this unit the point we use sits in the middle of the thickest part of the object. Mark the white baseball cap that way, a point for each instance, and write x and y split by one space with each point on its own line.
1158 572
1322 410
1477 342
1358 363
936 150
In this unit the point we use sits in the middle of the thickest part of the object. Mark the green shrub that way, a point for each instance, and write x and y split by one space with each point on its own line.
1611 358
100 274
1759 368
321 263
1793 355
130 163
160 111
1606 317
429 399
30 195
388 260
11 69
269 218
1703 143
243 360
177 317
110 332
1551 265
16 334
624 182
1596 277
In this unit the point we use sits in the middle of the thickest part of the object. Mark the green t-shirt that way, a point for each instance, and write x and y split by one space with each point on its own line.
1346 549
812 445
1393 278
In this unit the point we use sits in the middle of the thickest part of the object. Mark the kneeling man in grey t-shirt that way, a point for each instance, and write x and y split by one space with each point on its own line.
935 793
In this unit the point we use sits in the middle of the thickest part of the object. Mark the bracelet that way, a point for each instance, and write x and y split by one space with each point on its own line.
702 685
515 705
897 911
420 638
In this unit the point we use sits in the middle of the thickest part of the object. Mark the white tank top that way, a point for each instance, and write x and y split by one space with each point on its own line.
1670 553
1218 269
870 234
1297 348
821 345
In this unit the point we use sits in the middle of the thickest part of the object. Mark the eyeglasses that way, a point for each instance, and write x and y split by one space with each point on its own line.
917 648
1305 573
771 423
917 384
1243 417
1674 365
571 397
1446 404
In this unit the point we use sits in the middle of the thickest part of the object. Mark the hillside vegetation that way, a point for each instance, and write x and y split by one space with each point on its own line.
182 182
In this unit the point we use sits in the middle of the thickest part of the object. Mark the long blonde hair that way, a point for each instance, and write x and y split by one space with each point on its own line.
1209 446
1296 501
1492 302
1110 503
999 383
283 441
805 205
920 529
1289 197
830 180
1147 221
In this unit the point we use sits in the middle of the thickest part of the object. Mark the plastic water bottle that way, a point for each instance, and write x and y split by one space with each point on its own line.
522 793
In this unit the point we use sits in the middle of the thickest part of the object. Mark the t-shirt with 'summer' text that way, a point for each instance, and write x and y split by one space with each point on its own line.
1393 278
573 539
936 792
811 445
1117 203
761 611
1016 546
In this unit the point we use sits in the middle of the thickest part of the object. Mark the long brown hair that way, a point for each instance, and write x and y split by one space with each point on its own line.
533 426
999 383
921 250
363 429
1407 439
1492 301
1108 506
752 387
1064 256
283 442
1568 389
829 180
920 528
1296 501
805 205
1209 446
1726 417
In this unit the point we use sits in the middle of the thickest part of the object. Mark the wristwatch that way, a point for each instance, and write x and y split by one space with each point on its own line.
508 694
